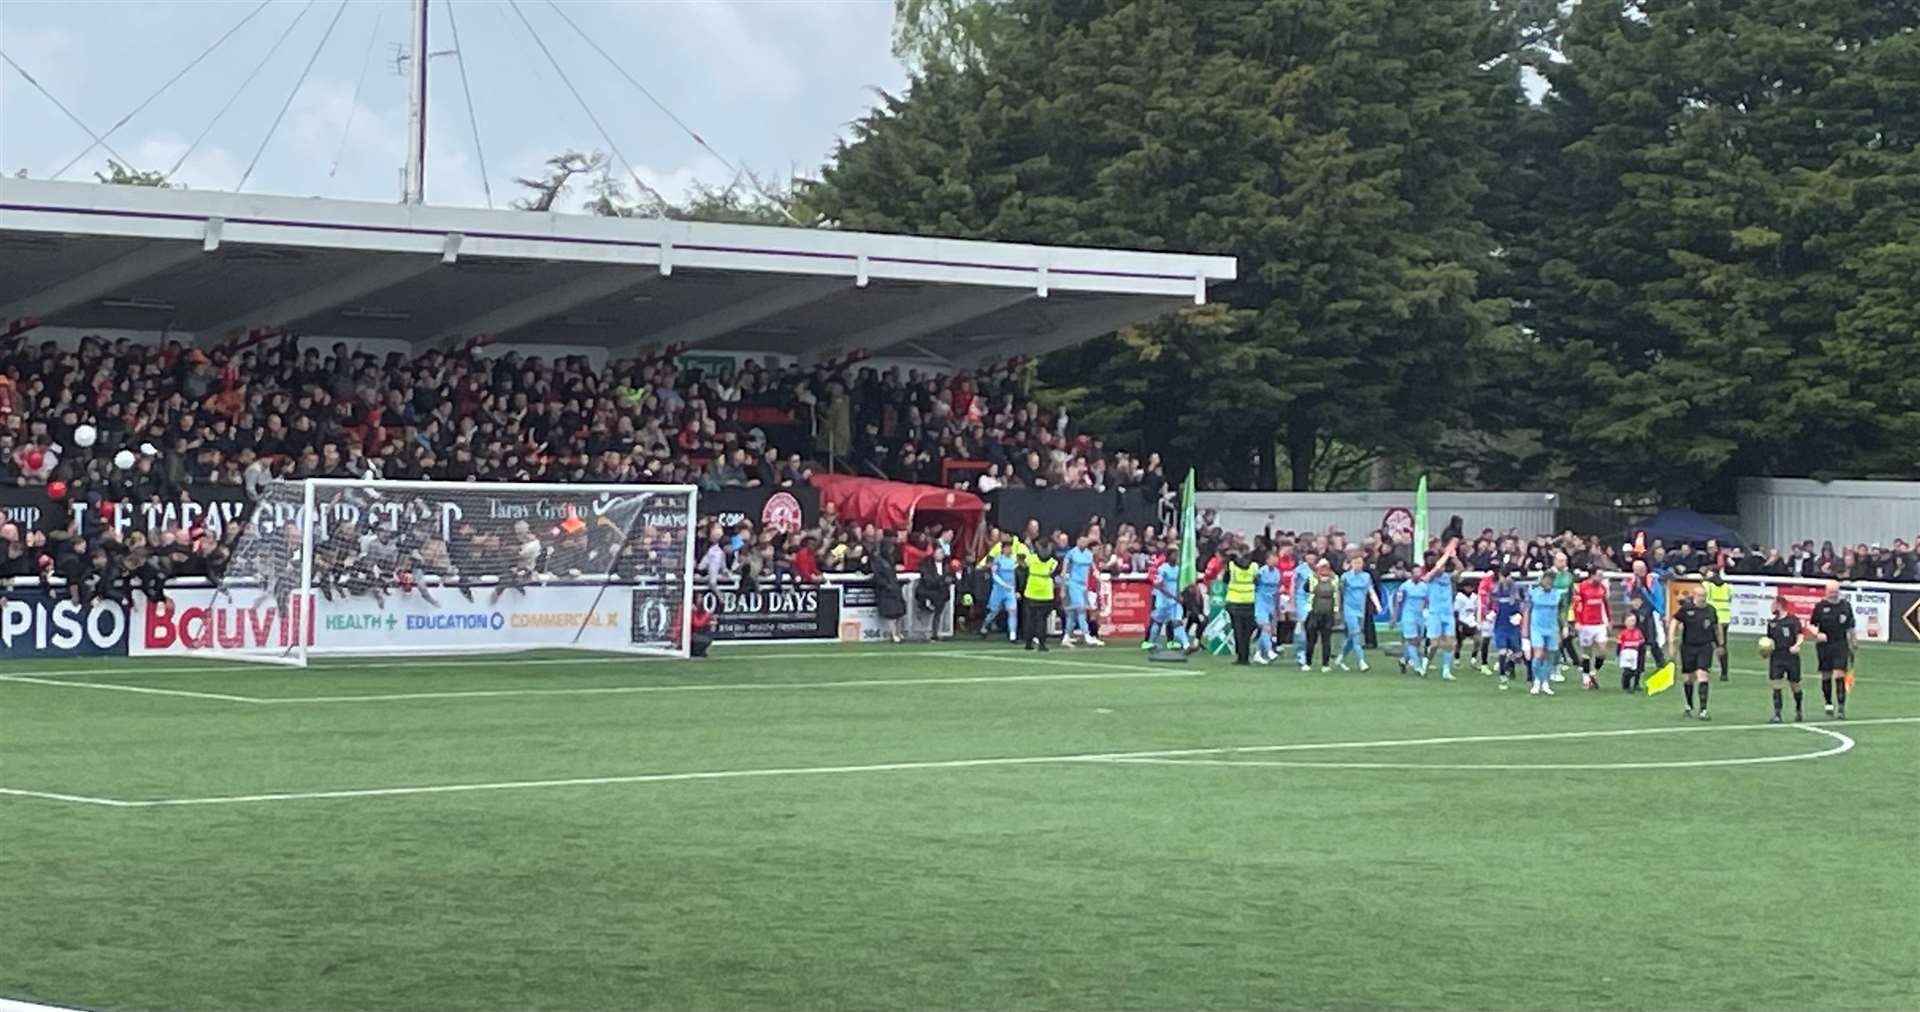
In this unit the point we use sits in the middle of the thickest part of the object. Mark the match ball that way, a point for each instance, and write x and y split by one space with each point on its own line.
1766 646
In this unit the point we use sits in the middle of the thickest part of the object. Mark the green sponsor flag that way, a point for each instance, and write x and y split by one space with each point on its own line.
1189 549
1420 520
1217 634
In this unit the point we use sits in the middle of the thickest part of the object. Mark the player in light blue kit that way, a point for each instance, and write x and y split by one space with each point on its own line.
1302 599
1079 563
1410 603
1002 563
1543 632
1356 597
1166 606
1441 624
1266 606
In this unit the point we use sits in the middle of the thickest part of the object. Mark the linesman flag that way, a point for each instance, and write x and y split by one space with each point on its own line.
1661 680
1189 547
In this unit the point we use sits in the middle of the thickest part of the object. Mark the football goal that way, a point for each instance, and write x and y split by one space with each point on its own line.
328 566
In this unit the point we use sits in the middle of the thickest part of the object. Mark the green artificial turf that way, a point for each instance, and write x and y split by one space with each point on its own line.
1235 878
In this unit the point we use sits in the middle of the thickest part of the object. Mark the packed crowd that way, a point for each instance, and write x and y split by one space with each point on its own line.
236 416
116 421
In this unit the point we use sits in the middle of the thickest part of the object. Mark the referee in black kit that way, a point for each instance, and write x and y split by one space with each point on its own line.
1834 630
1783 663
1696 627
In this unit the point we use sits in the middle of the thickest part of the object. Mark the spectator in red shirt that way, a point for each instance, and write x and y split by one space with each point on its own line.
806 561
913 550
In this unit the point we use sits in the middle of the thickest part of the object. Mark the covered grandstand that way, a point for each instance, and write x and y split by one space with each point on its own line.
222 268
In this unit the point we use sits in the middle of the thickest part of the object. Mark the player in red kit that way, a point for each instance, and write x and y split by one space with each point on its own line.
1590 623
1283 617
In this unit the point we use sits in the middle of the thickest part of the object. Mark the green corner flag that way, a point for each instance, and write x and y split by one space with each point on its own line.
1420 521
1189 549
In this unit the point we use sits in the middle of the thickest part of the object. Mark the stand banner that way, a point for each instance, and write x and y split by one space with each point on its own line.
792 612
36 623
1126 602
1905 608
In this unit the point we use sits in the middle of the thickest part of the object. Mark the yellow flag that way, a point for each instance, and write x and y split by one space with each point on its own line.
1661 680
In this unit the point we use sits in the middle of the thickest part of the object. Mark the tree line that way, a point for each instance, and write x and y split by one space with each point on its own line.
1625 247
1618 248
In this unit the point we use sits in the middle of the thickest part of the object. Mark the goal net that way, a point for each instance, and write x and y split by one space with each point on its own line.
348 567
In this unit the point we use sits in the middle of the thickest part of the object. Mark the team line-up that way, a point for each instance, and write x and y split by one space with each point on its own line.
1272 600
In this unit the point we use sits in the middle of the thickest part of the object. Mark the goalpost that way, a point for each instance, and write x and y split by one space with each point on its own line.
328 566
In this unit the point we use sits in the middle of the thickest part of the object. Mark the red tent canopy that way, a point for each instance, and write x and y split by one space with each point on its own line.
899 505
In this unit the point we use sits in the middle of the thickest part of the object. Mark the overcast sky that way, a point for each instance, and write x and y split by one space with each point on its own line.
769 84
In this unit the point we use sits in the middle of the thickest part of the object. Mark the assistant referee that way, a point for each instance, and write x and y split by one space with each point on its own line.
1837 636
1783 663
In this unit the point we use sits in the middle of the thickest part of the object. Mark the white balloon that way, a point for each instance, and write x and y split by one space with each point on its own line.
85 436
123 459
149 450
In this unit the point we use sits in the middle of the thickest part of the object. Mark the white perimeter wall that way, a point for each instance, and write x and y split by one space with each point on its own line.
1778 511
1356 513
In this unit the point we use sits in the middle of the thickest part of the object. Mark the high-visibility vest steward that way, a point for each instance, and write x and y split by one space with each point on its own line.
1040 578
1240 583
1720 596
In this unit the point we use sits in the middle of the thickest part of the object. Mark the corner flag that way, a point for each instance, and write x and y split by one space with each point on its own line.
1661 680
1189 550
1420 521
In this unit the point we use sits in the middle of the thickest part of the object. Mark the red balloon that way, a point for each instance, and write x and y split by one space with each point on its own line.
106 510
56 490
35 457
46 562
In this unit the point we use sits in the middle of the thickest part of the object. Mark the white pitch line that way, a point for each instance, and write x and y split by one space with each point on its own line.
141 689
1845 745
78 799
612 690
12 1005
1025 658
243 667
852 683
738 652
1113 758
1693 728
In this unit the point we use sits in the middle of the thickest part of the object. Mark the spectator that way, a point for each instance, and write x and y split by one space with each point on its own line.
888 599
713 566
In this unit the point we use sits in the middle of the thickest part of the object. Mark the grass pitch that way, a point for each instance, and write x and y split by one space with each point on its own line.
960 826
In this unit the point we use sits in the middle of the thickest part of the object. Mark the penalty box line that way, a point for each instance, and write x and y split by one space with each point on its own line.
1098 758
1098 673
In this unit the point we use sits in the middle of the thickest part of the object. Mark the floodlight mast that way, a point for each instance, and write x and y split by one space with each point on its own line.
416 174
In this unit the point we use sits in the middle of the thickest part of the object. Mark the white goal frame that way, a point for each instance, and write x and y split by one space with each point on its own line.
301 648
